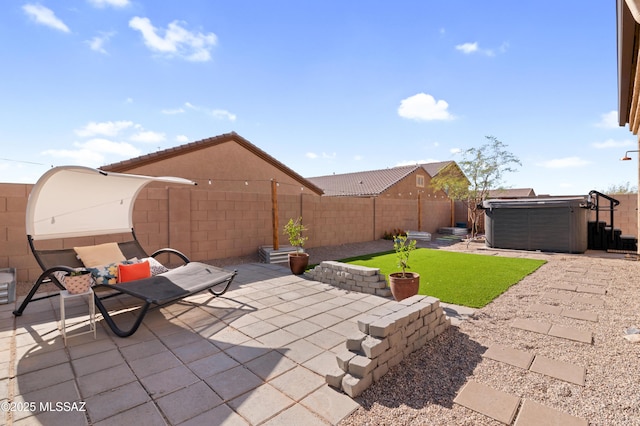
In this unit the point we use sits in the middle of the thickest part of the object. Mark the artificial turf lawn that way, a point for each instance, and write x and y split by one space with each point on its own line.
471 280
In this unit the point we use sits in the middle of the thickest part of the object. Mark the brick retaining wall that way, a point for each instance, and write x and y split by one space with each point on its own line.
351 277
386 336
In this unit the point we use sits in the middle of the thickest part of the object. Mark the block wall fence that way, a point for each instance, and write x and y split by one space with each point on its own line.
208 224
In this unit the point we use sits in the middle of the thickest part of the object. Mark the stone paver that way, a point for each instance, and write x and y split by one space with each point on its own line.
571 333
547 309
563 286
188 402
563 297
532 325
330 404
592 289
534 414
587 300
261 404
490 402
558 369
521 359
581 315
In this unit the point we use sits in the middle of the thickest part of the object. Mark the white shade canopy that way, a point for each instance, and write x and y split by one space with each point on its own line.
75 201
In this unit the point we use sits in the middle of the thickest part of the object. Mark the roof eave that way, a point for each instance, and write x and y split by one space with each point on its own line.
626 32
198 145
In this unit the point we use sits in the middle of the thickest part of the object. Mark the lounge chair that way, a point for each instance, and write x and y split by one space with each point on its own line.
49 219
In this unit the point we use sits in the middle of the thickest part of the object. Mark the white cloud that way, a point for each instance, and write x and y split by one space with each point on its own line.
112 3
609 120
123 149
415 162
324 155
97 43
148 137
358 157
455 150
45 16
424 107
564 163
223 115
106 128
177 41
610 143
182 138
173 111
469 48
128 101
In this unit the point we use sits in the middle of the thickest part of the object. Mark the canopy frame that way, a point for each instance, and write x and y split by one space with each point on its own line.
77 201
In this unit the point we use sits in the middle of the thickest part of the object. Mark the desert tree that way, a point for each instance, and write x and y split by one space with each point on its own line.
483 169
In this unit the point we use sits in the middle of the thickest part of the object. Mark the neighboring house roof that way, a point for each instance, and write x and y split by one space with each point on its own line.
512 193
370 183
168 153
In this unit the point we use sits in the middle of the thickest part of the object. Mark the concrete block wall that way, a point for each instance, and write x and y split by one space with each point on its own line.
351 277
625 216
385 337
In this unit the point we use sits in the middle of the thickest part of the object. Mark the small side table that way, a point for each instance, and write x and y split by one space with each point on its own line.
64 295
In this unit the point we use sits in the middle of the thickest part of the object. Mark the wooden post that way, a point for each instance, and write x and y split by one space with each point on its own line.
274 214
419 213
453 213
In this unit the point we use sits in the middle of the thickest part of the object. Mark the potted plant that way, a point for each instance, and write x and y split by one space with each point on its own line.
403 284
78 281
299 260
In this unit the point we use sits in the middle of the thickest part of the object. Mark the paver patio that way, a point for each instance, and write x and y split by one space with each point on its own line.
257 355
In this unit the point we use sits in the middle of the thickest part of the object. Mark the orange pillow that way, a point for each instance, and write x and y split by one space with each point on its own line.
133 272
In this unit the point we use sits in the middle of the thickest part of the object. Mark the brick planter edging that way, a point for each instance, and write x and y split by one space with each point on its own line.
351 277
386 336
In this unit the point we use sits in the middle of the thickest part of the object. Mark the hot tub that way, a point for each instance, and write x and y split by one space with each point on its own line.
556 224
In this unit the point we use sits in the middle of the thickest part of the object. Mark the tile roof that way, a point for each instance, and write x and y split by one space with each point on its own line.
126 165
512 193
370 183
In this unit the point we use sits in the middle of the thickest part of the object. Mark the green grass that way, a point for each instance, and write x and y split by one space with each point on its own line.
463 279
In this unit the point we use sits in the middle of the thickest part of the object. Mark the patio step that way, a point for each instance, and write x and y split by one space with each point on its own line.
268 255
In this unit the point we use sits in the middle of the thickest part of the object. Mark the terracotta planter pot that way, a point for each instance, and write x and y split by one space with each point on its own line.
404 285
78 283
298 262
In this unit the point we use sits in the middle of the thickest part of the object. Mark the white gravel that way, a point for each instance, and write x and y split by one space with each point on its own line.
420 391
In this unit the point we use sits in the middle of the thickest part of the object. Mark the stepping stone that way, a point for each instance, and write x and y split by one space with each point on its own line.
532 325
490 402
548 309
563 297
509 356
581 315
587 300
592 289
571 333
560 370
534 414
563 286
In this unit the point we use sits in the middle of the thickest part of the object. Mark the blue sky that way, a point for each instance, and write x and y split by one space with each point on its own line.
323 86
